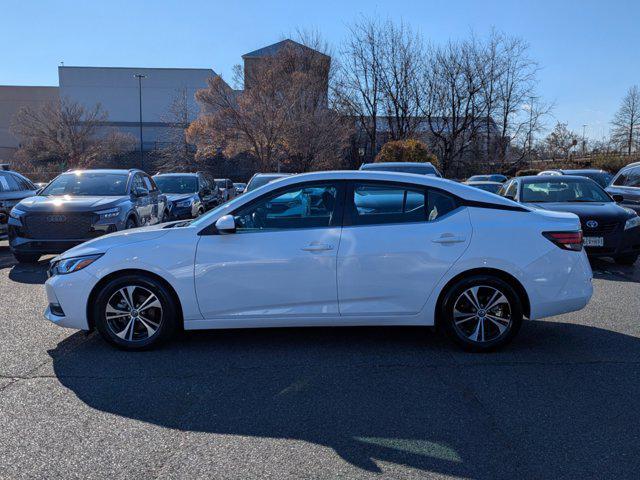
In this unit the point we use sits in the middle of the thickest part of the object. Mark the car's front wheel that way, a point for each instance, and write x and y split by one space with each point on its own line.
26 257
135 312
482 313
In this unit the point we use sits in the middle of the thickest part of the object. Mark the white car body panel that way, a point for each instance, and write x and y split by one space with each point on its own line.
373 275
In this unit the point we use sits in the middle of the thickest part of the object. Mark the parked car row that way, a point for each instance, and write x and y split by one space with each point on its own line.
81 205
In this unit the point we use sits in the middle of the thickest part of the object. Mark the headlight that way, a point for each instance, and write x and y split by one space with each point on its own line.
70 265
184 203
632 223
107 214
15 213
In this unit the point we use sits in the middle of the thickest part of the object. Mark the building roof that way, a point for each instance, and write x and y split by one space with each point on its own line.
276 47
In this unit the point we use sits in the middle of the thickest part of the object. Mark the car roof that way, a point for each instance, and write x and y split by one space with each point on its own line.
581 170
104 170
483 182
275 174
461 190
397 164
176 174
555 178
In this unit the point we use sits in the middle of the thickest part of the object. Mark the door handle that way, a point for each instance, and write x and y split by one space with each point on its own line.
317 247
448 238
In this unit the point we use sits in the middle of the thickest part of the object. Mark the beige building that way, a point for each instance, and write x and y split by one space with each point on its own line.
12 98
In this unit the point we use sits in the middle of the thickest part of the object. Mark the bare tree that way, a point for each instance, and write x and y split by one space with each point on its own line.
358 89
66 133
281 117
627 120
451 102
176 152
560 141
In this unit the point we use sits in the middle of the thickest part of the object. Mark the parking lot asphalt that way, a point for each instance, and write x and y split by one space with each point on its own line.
560 402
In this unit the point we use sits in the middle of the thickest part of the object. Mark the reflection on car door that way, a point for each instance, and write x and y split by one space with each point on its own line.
143 204
397 243
281 262
154 199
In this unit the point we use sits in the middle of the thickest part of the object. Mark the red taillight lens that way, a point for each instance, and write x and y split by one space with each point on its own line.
566 240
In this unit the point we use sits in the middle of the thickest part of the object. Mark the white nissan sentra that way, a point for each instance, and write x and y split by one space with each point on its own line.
331 248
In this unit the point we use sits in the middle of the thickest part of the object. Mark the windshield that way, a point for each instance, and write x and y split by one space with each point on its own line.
563 191
259 181
177 184
100 184
601 178
418 169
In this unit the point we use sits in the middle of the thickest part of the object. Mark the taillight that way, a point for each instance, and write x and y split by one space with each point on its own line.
566 240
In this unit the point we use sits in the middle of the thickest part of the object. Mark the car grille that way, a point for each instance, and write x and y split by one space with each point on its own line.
603 228
57 226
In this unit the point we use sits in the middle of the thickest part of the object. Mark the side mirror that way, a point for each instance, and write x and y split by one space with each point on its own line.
226 224
617 197
140 192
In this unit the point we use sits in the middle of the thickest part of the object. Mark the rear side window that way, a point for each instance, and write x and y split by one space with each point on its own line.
628 178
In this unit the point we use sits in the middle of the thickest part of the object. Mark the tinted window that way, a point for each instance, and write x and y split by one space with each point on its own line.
88 183
439 204
488 187
299 207
628 178
260 180
563 191
512 190
24 183
138 183
8 183
177 184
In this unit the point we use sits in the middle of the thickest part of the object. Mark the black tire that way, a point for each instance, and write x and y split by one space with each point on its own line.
168 318
26 257
626 259
459 332
130 223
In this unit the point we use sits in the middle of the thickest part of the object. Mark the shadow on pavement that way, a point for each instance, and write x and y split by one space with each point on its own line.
32 273
561 402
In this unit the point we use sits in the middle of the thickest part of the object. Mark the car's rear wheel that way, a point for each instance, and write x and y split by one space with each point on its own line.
135 312
626 259
26 257
482 313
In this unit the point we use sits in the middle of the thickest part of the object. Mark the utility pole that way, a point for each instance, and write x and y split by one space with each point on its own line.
139 76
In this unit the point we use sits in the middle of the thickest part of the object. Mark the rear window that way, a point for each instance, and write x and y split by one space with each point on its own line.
9 183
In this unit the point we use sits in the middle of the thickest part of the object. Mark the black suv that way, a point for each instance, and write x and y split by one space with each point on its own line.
80 205
13 188
188 194
626 184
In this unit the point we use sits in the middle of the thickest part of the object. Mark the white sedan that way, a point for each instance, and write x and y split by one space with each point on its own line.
330 249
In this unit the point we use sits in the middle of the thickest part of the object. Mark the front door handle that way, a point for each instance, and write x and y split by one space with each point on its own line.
448 238
317 247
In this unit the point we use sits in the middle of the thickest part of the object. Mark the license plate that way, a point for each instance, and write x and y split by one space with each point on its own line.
593 241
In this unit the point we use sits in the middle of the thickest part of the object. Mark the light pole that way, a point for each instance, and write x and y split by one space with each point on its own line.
584 140
139 76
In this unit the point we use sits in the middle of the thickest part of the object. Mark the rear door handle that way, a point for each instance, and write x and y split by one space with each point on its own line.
317 247
448 238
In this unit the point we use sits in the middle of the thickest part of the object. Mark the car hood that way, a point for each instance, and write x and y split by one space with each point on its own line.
591 210
68 203
176 197
116 239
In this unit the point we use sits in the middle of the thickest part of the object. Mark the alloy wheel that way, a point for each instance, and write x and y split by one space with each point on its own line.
482 314
133 313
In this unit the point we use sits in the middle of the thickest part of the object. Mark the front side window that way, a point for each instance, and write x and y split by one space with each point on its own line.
88 184
628 178
8 183
309 206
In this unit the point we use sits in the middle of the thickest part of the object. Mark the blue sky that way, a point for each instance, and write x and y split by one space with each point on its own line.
588 50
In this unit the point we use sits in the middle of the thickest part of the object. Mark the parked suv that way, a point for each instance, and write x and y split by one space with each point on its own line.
188 194
227 190
13 188
80 205
626 184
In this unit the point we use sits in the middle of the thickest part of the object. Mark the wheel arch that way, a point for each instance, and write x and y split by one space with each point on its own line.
501 274
131 271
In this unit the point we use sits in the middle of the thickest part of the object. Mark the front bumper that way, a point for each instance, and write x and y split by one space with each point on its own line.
69 293
183 213
24 244
624 242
